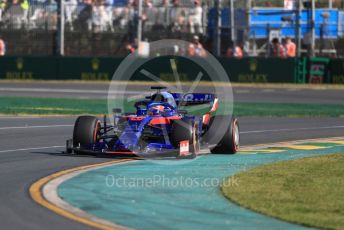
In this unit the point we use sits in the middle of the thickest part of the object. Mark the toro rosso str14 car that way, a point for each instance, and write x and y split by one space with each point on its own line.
158 128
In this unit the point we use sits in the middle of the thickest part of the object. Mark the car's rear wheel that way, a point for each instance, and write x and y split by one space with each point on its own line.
186 130
228 140
86 132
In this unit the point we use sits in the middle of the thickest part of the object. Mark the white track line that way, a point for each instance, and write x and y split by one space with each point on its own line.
289 130
34 127
242 132
22 117
26 149
61 146
52 90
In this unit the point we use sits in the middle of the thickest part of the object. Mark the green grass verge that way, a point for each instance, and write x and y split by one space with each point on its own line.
307 191
69 106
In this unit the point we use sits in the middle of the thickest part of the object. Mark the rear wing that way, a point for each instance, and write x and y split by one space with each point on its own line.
194 98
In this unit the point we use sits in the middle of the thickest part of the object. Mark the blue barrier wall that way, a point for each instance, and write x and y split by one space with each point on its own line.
261 19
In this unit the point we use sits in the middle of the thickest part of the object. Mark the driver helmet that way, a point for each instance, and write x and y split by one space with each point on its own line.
156 110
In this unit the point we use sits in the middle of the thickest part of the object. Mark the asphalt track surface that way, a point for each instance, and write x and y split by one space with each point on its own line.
241 93
31 148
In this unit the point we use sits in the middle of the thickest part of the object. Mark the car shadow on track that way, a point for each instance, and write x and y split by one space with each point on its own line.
105 156
64 154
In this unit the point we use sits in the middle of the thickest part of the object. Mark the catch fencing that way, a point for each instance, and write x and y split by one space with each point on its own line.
110 28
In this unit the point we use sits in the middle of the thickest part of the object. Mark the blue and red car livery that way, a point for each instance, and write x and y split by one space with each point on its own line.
158 128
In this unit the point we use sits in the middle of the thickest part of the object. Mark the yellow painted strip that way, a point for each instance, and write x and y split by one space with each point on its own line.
277 144
336 142
302 147
36 194
246 152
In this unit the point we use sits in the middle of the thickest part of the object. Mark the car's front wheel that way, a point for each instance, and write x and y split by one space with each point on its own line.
186 130
86 132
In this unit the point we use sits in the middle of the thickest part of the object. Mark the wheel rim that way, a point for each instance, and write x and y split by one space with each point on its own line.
195 140
96 132
236 136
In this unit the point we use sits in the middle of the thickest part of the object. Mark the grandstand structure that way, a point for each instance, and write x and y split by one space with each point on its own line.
107 27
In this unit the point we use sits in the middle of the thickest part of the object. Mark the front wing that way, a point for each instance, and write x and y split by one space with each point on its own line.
182 151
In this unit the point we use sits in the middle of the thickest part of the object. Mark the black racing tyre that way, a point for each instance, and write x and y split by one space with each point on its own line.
86 131
229 141
185 129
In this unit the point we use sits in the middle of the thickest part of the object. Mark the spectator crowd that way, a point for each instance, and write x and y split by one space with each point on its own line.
284 49
184 16
104 15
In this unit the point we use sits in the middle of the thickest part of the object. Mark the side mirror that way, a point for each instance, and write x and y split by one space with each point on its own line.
116 110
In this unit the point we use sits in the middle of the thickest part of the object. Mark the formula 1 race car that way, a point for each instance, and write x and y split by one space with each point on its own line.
158 128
